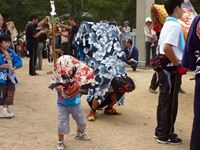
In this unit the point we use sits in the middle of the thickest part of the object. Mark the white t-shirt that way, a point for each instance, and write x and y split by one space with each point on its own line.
126 33
170 34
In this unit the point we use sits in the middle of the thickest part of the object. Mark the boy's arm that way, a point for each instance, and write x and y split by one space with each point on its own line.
170 54
17 61
43 21
5 66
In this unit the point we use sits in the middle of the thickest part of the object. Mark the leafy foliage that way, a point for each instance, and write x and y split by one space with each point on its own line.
91 10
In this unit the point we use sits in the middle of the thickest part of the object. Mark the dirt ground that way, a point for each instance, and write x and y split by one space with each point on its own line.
34 127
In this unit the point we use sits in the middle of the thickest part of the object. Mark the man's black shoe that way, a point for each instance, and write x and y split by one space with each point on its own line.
174 140
174 135
162 140
34 74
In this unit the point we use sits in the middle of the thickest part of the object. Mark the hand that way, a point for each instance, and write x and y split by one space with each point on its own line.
43 31
46 18
59 88
6 66
181 70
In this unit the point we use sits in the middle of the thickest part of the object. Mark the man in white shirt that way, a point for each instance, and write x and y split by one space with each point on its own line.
172 45
126 33
150 40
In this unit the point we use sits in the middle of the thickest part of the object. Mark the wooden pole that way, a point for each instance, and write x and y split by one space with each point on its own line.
54 42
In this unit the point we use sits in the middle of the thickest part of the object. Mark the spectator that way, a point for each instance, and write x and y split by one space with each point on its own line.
31 41
73 27
64 41
41 45
131 54
150 40
126 33
171 44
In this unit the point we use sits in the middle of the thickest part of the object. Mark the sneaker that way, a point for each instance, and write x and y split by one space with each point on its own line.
92 116
173 135
82 136
153 91
174 140
10 112
5 114
60 145
163 140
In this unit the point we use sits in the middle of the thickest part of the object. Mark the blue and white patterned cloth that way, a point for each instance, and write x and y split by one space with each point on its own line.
98 45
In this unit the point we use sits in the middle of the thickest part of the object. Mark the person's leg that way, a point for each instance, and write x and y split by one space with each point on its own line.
194 143
31 61
134 55
94 106
37 59
163 108
153 51
48 55
148 49
10 95
175 87
40 50
6 98
111 100
79 116
63 122
34 58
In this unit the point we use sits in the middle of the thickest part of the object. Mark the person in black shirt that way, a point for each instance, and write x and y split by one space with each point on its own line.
32 41
73 27
41 45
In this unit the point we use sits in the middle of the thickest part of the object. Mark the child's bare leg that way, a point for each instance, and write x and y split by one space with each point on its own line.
109 109
95 104
113 101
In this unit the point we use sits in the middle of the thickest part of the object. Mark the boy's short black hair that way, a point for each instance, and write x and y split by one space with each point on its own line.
5 37
34 16
170 5
130 41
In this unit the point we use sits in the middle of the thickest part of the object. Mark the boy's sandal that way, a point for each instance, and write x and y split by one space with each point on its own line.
112 111
92 116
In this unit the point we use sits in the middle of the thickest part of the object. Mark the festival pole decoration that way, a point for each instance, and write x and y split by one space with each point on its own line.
53 23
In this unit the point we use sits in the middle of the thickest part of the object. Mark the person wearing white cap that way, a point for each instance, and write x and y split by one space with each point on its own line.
150 40
126 33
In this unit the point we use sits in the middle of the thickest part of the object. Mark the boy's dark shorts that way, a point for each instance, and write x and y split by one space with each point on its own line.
7 93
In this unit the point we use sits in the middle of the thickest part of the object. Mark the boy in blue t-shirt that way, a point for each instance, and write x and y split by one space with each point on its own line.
70 105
